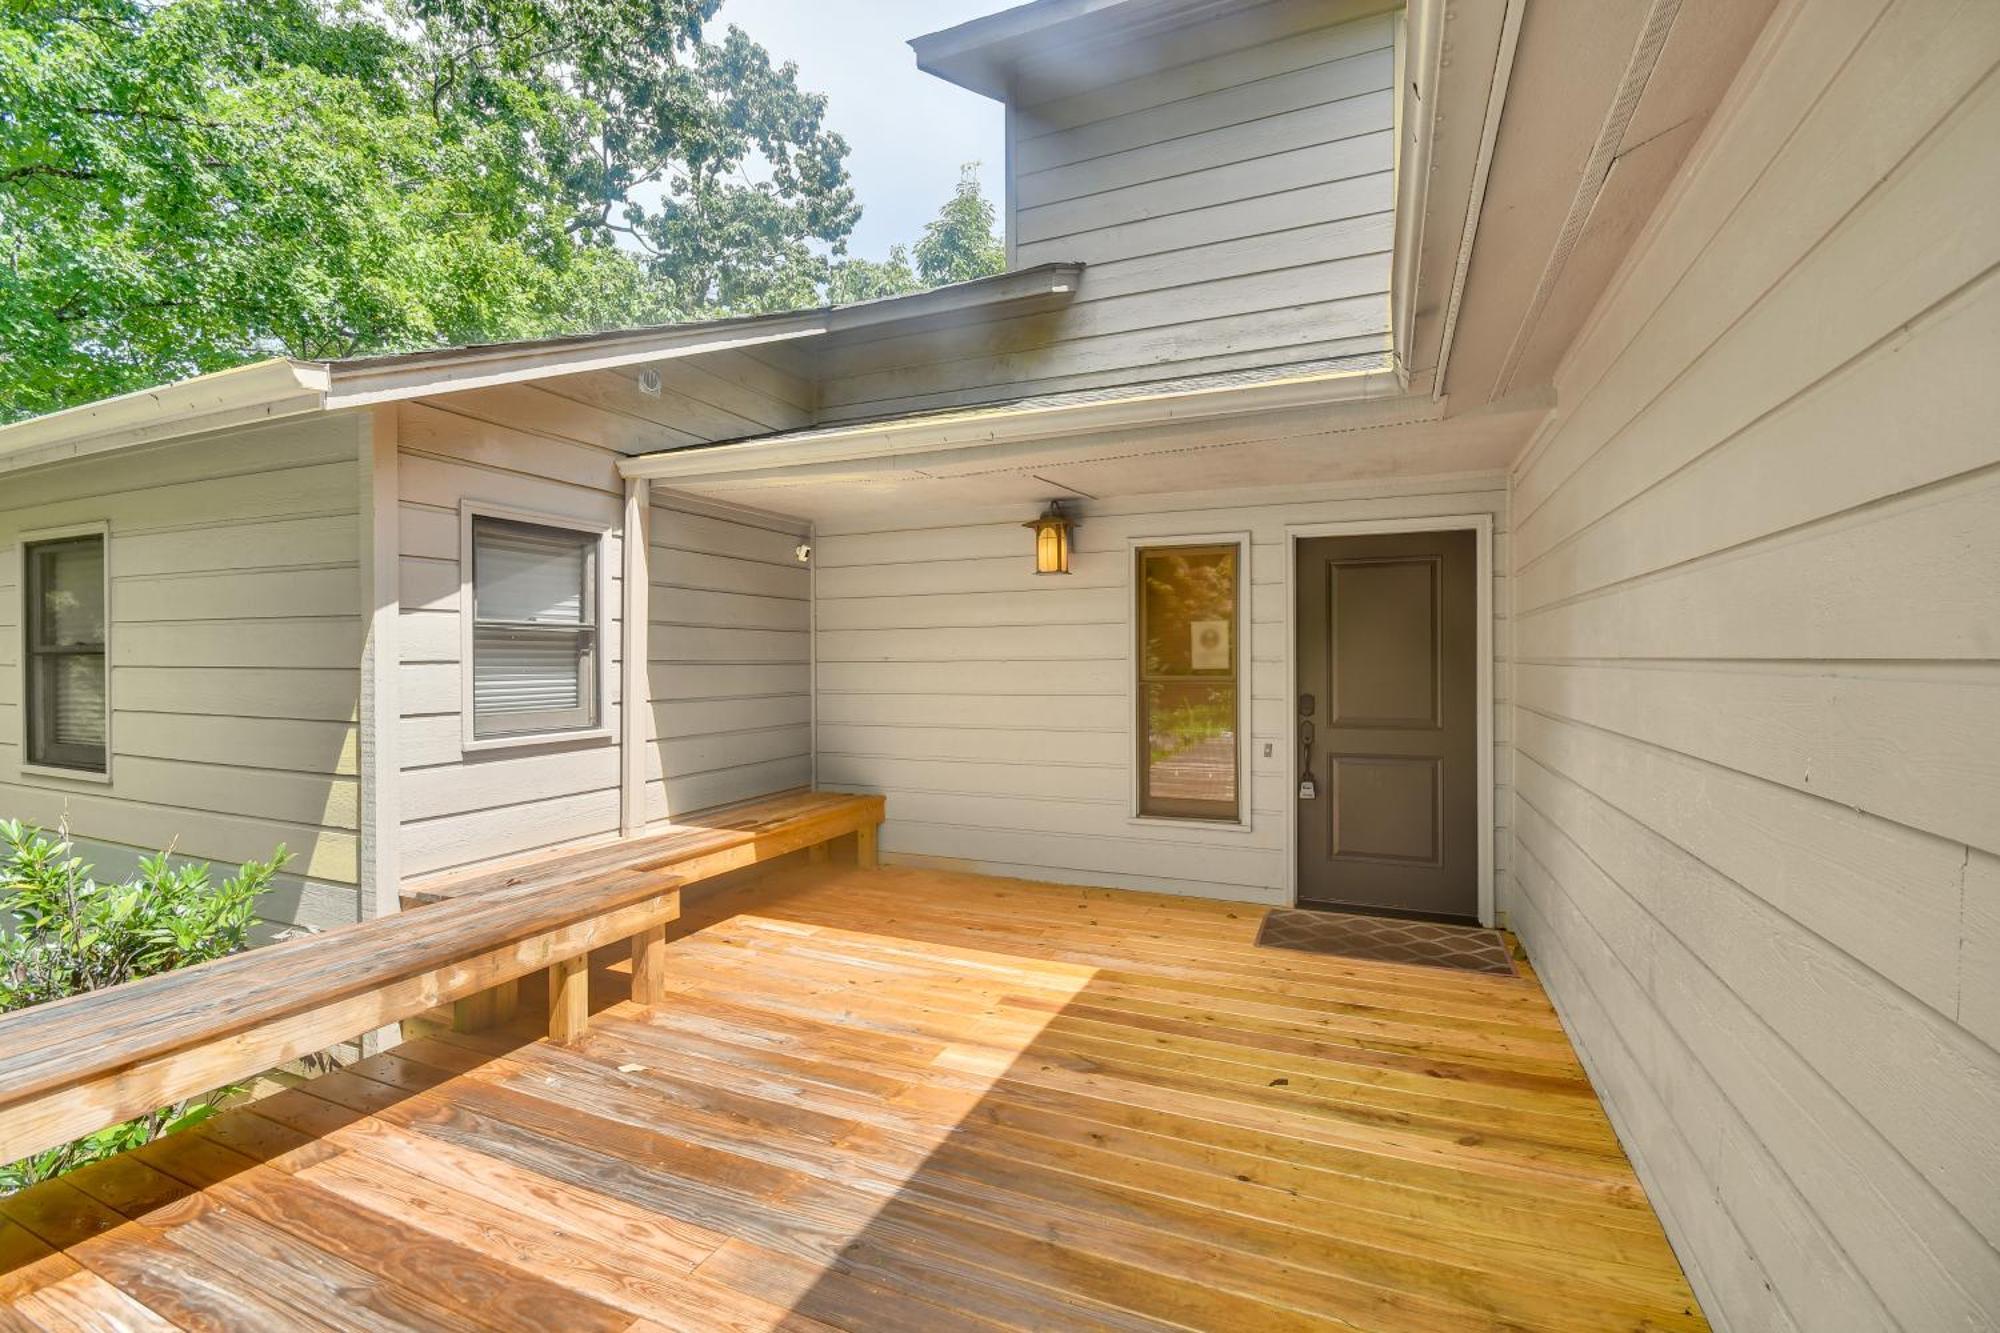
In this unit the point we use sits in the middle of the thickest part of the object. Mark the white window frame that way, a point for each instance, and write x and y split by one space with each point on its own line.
604 730
1245 821
100 529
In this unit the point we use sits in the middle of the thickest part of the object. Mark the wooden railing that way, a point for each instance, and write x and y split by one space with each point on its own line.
75 1066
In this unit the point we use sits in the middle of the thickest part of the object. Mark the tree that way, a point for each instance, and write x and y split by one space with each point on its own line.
192 184
871 279
959 244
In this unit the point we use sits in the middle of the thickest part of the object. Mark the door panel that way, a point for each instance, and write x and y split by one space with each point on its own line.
1388 729
1385 642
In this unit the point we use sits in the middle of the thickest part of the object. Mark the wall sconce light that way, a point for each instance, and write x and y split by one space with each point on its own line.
1052 532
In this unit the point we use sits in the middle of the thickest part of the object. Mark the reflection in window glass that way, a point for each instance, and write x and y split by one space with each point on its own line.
67 716
1189 656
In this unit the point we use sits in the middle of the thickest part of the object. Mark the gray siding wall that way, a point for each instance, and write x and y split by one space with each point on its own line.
1757 617
726 648
235 641
729 661
458 808
1232 203
992 705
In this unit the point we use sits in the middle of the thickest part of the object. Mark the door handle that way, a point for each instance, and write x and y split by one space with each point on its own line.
1307 789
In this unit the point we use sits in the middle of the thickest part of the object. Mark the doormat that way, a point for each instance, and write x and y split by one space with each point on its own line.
1381 939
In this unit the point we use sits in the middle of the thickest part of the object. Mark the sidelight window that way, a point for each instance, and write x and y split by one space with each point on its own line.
1190 686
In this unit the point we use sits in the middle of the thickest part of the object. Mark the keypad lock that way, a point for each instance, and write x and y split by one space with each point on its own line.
1308 789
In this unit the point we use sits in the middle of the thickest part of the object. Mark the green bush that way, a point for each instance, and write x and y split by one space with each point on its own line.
71 934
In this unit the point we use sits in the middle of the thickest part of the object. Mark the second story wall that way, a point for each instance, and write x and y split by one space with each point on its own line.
1229 186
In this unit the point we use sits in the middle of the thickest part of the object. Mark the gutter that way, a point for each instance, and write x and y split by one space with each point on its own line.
262 391
1015 424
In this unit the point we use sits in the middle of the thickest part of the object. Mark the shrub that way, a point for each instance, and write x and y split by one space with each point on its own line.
71 934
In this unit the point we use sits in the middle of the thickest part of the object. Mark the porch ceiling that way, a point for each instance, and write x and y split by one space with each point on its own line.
1151 446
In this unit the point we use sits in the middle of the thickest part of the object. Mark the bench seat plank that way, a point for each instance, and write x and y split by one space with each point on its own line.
693 844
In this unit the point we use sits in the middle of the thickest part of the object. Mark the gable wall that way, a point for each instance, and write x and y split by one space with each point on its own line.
1232 204
1757 617
235 643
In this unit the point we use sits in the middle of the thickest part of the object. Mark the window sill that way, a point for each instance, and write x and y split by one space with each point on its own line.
1209 825
65 774
532 738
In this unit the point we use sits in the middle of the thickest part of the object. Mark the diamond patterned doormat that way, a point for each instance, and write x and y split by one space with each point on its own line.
1381 939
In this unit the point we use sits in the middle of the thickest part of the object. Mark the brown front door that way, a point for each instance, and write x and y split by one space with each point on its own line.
1388 736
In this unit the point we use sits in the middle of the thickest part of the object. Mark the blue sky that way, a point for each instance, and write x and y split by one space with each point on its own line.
908 131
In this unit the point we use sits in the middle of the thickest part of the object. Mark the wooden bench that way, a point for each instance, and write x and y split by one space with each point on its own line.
696 846
75 1066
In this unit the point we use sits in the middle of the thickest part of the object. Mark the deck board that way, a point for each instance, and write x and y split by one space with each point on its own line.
908 1099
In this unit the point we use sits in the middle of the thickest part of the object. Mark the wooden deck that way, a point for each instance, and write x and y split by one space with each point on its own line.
904 1099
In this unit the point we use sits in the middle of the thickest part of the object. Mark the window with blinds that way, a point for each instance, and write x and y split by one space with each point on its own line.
68 719
534 629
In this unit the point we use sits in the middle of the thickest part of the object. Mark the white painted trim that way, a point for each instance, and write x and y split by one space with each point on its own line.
1031 426
812 655
100 529
469 742
1481 525
381 665
635 707
1246 801
1418 36
1496 101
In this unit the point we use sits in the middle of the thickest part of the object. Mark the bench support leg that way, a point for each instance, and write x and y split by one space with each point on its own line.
649 966
506 1001
864 846
569 1000
492 1007
473 1013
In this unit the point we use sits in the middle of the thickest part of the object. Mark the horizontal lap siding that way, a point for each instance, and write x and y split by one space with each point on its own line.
1757 688
990 704
461 808
1232 207
728 663
235 641
727 646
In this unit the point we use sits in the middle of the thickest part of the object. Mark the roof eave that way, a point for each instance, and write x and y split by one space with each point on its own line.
368 380
268 390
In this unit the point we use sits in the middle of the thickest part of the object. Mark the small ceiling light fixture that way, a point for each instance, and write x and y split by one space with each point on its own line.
1052 532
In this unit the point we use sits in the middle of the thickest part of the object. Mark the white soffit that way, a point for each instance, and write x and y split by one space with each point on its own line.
1379 440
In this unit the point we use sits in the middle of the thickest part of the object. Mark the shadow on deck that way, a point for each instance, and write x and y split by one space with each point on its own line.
905 1099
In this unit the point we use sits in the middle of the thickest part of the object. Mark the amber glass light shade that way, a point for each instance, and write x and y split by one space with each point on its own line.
1052 532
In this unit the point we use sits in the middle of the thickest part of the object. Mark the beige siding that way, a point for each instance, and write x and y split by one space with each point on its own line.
727 645
1757 618
235 637
458 808
1231 203
991 704
731 685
